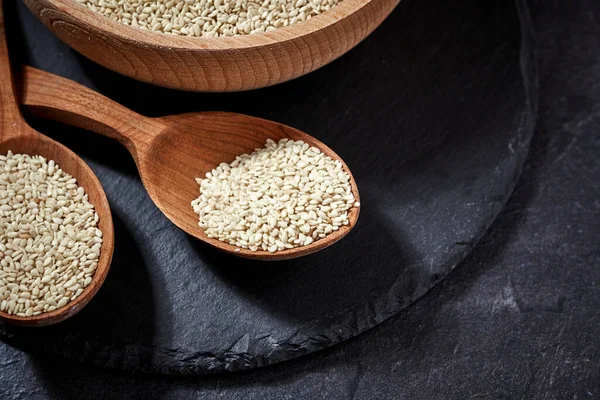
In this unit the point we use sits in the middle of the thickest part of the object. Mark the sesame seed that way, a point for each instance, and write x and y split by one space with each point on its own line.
44 222
257 202
209 18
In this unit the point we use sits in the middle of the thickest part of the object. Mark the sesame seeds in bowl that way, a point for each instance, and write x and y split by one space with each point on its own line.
209 18
220 61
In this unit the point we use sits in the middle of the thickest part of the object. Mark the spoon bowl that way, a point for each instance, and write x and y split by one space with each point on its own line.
28 141
20 138
172 151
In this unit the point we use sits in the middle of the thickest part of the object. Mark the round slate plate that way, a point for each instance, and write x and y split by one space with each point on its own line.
430 114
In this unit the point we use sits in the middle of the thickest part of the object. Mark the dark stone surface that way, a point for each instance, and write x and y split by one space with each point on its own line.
432 119
518 319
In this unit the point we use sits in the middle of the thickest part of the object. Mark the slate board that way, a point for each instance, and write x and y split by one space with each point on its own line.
434 132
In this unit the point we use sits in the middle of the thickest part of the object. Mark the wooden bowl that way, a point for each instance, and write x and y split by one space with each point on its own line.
221 64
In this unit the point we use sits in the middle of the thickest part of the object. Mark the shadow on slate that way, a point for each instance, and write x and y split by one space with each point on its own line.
435 133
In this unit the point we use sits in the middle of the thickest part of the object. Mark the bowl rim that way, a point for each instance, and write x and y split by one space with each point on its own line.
147 38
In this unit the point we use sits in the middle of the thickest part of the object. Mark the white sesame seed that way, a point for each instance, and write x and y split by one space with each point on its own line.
209 18
44 222
270 200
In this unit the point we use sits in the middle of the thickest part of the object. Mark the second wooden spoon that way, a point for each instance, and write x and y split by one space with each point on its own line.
170 152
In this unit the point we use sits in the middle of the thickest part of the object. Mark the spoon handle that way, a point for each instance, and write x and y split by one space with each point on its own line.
9 108
65 101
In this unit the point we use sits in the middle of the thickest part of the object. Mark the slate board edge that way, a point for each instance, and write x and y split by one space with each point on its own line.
147 359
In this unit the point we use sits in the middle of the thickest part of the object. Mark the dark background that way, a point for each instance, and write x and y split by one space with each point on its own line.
518 319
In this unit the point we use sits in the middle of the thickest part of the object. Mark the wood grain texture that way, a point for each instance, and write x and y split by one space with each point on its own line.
213 64
171 152
17 136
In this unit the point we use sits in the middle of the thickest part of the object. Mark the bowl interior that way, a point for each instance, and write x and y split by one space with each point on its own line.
146 37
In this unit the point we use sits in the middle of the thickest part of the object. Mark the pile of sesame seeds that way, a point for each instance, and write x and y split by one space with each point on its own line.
209 18
49 237
282 196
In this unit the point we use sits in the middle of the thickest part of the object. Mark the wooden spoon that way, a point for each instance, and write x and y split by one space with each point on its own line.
17 136
170 152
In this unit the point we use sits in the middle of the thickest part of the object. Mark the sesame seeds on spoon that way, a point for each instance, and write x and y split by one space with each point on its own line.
283 196
49 237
